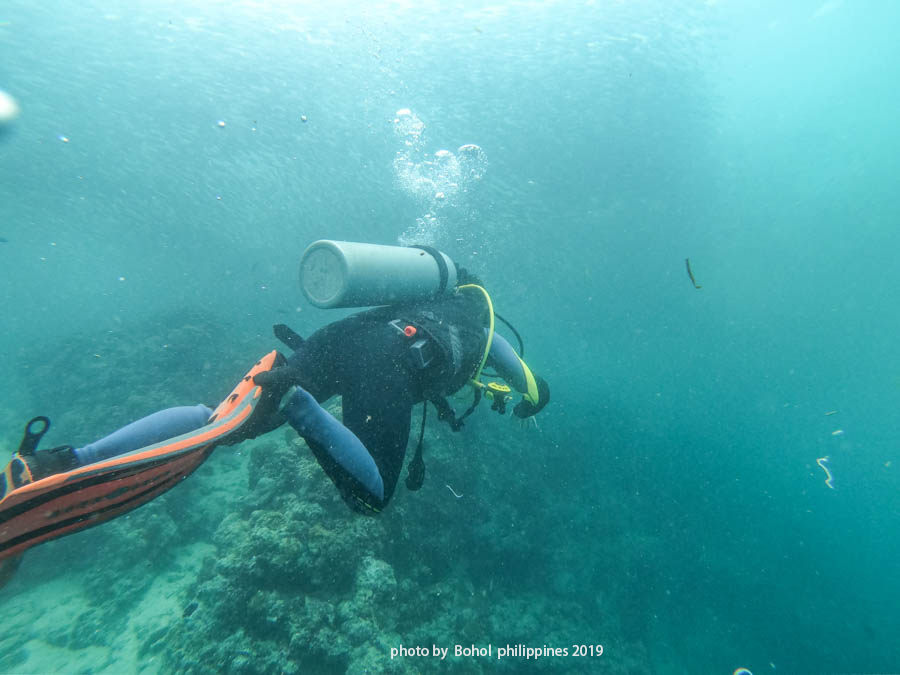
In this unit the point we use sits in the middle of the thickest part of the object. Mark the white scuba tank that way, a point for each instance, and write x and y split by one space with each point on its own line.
352 274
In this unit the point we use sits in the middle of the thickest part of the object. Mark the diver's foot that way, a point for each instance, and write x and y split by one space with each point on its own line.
24 469
45 463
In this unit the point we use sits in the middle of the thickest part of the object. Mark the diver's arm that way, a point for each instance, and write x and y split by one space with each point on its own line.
318 427
509 366
534 389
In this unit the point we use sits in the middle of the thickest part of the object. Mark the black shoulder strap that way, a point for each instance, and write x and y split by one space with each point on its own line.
447 414
442 267
287 335
415 472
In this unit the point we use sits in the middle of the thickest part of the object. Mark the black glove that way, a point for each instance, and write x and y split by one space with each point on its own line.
526 408
276 382
267 414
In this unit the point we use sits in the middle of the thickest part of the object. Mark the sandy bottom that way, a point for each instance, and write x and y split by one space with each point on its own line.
41 620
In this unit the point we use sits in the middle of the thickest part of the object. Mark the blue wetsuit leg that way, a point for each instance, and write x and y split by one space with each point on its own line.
318 428
154 428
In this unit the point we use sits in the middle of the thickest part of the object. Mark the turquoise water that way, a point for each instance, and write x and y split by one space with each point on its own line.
172 160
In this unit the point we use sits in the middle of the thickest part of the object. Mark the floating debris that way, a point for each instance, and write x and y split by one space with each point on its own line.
830 413
829 481
304 118
9 108
190 609
221 124
837 432
687 263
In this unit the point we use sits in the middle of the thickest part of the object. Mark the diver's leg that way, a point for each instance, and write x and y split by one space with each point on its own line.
340 452
154 428
363 456
104 491
378 411
362 360
37 464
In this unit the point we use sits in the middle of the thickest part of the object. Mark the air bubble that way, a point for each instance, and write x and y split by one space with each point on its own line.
438 182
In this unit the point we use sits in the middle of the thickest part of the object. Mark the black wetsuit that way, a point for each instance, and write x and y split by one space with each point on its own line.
367 360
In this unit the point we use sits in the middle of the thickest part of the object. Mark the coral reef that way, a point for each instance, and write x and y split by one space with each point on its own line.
254 564
300 584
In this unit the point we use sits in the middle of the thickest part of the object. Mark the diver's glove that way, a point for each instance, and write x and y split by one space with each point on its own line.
267 415
526 408
278 380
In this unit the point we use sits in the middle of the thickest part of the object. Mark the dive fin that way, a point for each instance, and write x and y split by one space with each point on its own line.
67 502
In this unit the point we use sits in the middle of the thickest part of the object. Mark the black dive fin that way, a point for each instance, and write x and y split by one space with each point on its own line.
287 335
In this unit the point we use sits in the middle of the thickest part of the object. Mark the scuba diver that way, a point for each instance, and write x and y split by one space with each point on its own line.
432 334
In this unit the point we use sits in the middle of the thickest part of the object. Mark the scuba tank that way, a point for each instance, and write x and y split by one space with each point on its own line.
352 274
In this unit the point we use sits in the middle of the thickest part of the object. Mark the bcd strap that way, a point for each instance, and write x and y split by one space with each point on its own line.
287 335
34 430
415 472
442 267
447 414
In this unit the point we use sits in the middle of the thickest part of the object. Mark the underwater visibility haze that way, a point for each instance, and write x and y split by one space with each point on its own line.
688 210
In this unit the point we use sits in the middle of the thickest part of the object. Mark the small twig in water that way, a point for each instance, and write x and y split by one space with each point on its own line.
454 492
822 461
